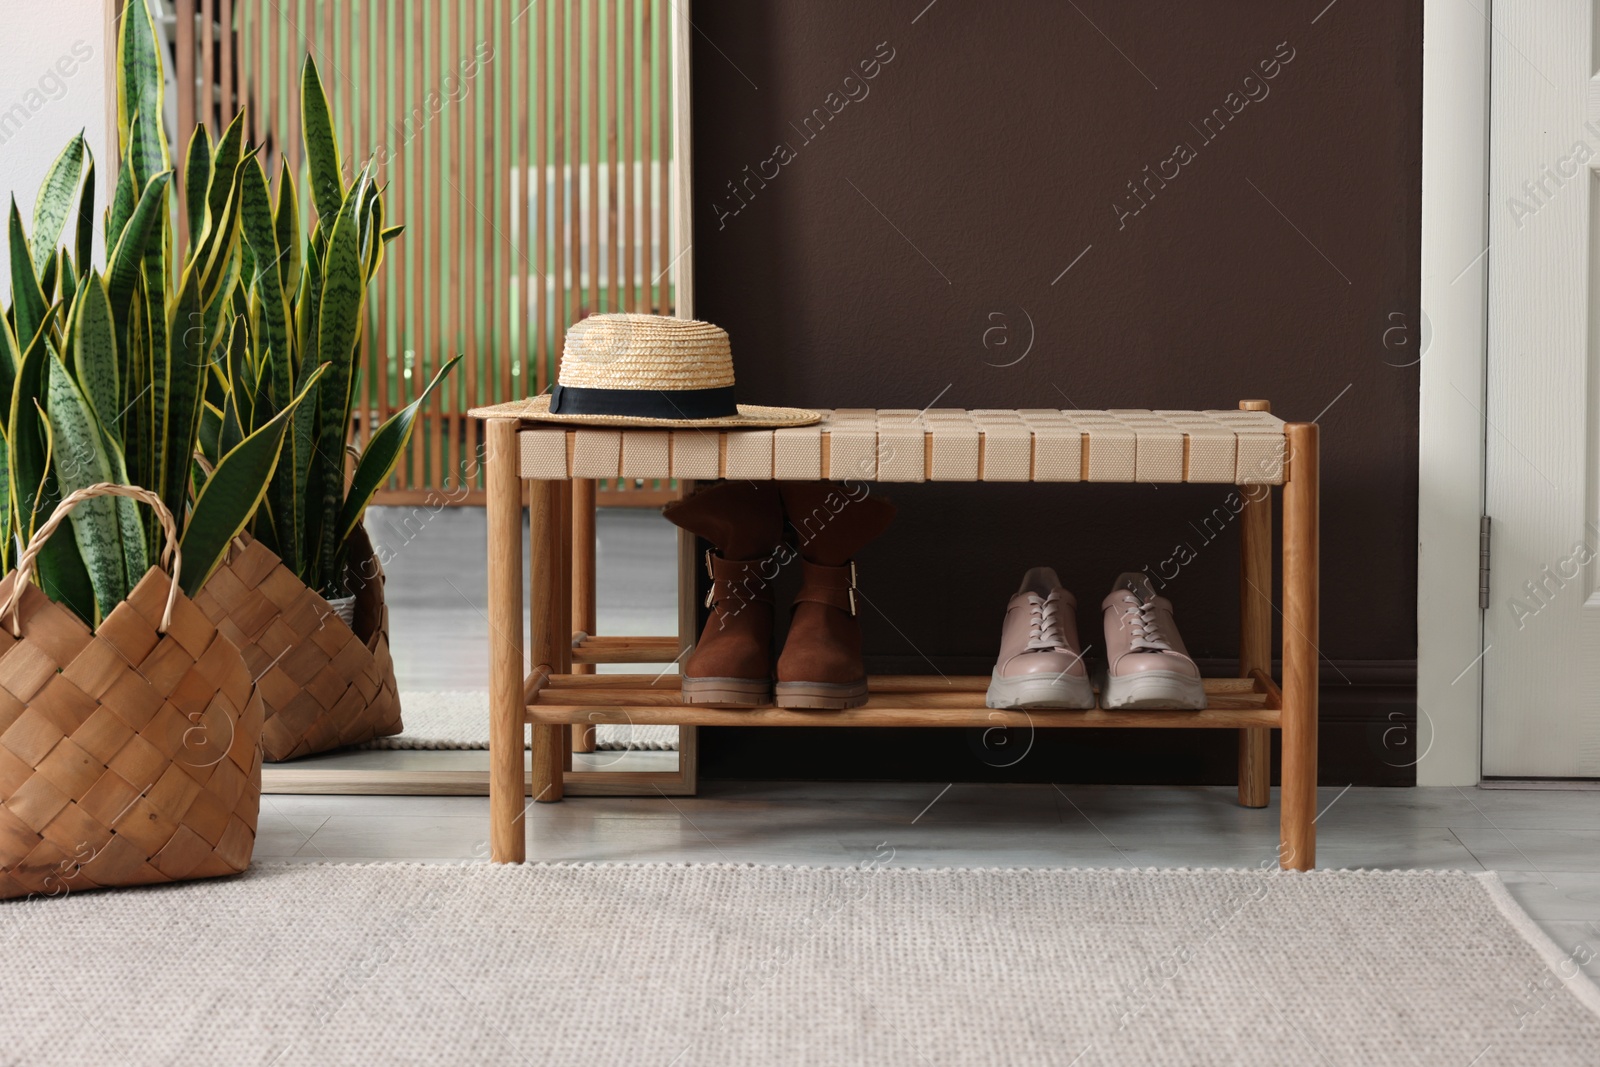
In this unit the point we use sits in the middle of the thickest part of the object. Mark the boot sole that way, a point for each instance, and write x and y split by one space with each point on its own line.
1039 691
822 696
727 692
1153 690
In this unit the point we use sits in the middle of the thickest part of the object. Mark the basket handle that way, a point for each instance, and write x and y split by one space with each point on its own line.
171 557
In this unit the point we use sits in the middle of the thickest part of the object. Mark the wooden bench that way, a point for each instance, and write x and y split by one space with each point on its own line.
542 463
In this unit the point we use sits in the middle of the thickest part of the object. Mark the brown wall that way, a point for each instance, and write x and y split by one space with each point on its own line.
915 244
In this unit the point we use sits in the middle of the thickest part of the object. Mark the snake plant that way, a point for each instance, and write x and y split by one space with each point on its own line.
103 371
221 375
303 291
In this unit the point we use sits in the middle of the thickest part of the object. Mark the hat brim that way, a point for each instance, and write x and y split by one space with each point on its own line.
750 417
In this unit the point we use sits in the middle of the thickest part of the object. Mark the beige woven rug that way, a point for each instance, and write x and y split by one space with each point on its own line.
658 964
460 719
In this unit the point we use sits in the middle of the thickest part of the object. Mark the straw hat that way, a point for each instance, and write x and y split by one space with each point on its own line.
651 370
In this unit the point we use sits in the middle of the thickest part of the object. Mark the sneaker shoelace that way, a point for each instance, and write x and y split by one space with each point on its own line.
1139 616
1044 628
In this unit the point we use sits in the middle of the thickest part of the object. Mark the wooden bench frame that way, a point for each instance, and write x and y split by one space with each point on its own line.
553 695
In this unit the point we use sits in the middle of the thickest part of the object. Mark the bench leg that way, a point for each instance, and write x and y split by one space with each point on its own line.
507 711
1255 626
1255 634
547 616
583 598
1298 850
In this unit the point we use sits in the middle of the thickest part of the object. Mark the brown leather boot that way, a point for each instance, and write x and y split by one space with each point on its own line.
732 662
821 663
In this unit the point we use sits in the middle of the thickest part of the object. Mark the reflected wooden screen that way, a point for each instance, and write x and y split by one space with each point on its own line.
527 147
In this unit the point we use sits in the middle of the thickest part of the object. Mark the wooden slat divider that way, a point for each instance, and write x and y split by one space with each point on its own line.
625 300
501 328
386 145
525 275
664 136
225 92
185 14
493 162
436 329
539 106
646 302
207 58
592 260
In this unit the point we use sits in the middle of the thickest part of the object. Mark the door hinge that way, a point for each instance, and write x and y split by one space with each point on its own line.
1483 563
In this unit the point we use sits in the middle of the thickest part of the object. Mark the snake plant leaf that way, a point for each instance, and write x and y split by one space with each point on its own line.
339 319
26 436
79 461
177 399
308 457
62 574
123 198
157 259
94 348
29 308
308 472
196 178
255 212
54 205
283 500
224 167
84 238
261 404
10 363
141 89
308 309
209 437
322 147
131 523
126 261
219 306
66 278
221 276
231 495
383 452
374 256
223 250
241 377
47 279
287 222
138 423
6 547
231 429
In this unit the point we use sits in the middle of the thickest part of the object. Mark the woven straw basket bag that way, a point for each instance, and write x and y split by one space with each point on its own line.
128 754
323 684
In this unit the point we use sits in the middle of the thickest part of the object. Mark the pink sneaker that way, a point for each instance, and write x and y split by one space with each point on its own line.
1041 663
1147 665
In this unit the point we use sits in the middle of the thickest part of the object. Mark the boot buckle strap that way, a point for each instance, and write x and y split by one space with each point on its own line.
833 586
736 579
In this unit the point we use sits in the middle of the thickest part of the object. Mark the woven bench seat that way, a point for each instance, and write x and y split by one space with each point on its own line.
936 445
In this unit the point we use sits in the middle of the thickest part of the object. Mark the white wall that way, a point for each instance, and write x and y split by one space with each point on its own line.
53 83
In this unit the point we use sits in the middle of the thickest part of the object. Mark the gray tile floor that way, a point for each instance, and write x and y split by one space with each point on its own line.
1545 843
437 571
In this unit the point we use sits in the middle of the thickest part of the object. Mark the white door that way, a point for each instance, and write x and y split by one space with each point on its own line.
1541 670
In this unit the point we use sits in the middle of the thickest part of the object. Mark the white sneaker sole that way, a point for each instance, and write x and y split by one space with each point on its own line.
1040 691
1152 690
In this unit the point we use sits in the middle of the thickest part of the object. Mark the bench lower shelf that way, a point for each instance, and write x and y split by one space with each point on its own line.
893 700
